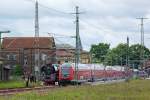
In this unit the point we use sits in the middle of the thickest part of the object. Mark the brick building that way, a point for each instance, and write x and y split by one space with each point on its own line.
67 52
4 70
21 50
85 57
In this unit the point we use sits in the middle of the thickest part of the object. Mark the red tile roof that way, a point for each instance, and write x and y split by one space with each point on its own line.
27 42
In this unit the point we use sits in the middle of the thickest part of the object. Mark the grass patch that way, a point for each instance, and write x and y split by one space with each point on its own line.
133 90
16 84
11 84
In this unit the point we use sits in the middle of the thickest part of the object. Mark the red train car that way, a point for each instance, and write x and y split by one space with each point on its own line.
65 74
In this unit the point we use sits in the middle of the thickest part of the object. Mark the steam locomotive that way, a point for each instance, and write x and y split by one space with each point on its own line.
66 74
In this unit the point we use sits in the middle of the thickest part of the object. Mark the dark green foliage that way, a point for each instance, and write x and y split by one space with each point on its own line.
99 52
117 56
18 71
135 54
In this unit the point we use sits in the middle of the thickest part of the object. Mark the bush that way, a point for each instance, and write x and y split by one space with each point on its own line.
18 71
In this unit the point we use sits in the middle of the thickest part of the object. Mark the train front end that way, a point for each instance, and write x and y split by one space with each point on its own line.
66 73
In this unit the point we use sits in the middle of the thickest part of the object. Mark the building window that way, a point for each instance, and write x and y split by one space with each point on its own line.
8 56
11 57
25 60
44 57
14 57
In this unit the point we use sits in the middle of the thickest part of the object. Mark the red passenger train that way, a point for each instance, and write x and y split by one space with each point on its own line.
66 73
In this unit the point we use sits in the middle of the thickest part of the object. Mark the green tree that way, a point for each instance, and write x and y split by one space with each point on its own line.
135 52
18 71
117 56
99 52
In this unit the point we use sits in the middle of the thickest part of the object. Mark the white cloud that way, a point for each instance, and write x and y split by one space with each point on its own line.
109 21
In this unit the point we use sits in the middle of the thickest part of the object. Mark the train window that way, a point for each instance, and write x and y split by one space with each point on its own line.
56 67
65 70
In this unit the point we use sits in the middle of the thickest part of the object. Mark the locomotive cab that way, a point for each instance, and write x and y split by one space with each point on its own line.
66 73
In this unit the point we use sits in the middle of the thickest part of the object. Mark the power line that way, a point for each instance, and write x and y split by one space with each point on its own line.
49 8
57 39
60 35
94 26
62 42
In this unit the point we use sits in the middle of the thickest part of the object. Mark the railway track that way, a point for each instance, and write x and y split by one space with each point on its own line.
4 92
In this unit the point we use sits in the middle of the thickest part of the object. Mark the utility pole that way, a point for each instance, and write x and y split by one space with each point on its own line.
127 56
37 51
127 59
78 43
142 41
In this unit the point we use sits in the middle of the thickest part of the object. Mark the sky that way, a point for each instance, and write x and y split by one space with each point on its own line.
108 21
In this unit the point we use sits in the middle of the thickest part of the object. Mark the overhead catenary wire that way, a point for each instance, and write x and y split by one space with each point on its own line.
98 27
60 35
49 8
57 39
95 26
61 42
